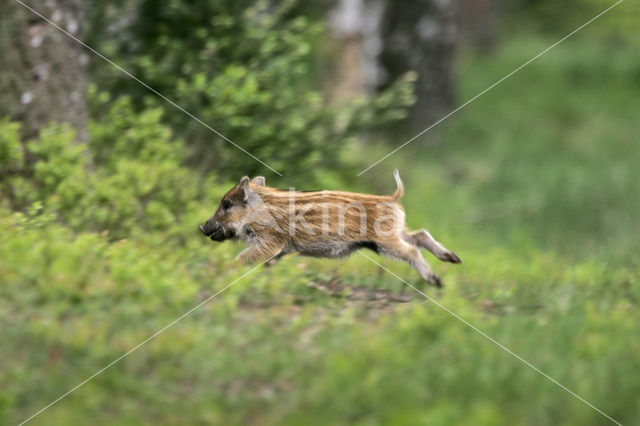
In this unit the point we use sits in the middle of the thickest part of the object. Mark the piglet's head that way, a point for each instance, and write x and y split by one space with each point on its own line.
232 213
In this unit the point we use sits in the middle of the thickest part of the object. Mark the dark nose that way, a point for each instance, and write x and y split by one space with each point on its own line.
210 228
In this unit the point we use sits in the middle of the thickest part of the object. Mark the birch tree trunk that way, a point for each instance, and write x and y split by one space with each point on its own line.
380 40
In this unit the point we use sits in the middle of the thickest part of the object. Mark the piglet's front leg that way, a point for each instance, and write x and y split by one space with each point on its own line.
275 259
258 253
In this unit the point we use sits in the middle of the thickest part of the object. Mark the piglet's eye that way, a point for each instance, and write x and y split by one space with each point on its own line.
226 205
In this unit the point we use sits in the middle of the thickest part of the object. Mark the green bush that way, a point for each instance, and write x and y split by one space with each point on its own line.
131 181
247 71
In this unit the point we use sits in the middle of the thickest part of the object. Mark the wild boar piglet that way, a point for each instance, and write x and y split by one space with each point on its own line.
329 224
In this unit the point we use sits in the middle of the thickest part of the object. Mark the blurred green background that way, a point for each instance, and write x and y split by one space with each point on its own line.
535 185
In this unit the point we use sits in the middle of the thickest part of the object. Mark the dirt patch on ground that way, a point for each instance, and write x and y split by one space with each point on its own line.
370 298
337 288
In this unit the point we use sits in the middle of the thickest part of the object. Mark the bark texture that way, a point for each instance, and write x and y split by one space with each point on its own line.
422 35
42 70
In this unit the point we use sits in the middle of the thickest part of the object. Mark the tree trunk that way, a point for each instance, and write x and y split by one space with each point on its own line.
355 45
377 41
422 35
42 70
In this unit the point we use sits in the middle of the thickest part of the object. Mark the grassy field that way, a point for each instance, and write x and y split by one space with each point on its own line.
535 186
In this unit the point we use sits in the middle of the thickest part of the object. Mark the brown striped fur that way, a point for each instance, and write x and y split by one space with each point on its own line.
329 224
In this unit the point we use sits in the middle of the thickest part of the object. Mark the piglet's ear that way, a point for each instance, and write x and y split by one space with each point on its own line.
243 188
244 181
258 180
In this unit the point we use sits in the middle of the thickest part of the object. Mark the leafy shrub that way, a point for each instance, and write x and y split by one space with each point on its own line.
247 72
130 181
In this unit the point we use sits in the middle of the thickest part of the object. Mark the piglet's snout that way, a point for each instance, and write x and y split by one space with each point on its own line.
209 229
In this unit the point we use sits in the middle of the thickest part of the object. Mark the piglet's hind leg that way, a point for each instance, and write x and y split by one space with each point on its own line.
424 239
404 251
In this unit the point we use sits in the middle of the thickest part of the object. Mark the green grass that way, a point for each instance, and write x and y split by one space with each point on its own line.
535 186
